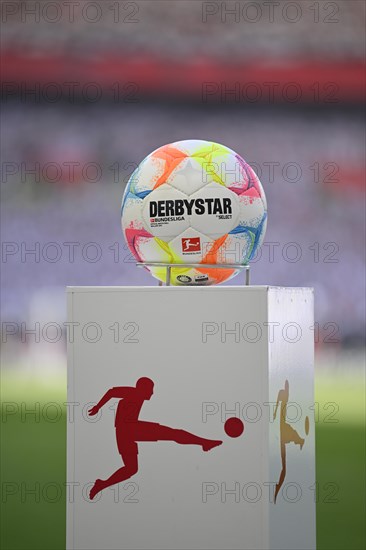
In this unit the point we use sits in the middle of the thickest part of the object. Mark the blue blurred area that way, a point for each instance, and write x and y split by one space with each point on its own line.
310 164
66 159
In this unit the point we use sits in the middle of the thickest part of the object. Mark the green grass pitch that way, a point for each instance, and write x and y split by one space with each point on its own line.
35 453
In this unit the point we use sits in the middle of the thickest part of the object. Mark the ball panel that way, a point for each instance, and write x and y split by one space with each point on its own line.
200 147
221 211
151 249
259 238
237 248
213 165
133 238
191 246
217 276
228 170
179 276
172 157
252 185
131 212
188 177
213 256
251 211
144 178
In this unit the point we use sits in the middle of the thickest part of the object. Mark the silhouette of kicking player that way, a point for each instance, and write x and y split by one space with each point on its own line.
130 430
188 244
287 434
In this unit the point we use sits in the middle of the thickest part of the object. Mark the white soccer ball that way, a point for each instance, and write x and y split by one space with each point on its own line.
194 202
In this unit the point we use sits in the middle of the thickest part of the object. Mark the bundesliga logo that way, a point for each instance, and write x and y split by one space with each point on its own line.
191 244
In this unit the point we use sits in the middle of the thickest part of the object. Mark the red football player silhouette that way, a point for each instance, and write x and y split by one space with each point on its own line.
130 430
193 244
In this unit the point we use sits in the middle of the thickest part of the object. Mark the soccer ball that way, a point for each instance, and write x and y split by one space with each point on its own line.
194 202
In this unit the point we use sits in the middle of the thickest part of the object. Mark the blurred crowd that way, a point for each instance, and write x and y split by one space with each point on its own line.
185 29
311 167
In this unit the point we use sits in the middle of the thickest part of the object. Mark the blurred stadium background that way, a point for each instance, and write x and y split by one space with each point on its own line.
85 95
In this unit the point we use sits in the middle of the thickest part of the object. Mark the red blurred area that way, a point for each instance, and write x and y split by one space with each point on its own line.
302 80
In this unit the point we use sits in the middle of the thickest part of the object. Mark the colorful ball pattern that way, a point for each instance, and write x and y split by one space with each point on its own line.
194 202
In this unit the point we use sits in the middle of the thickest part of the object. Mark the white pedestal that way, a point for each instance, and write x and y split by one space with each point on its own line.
212 353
